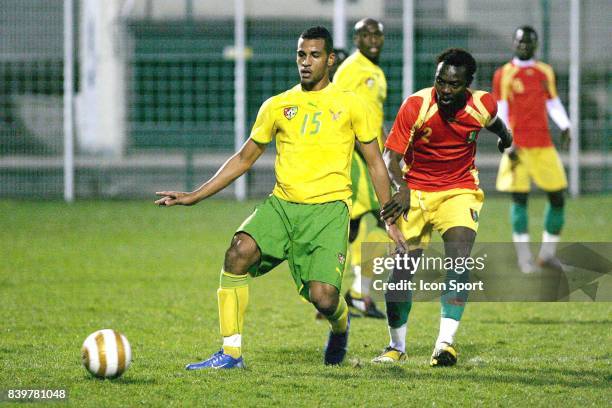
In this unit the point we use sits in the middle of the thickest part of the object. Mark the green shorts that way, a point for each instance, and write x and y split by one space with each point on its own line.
313 238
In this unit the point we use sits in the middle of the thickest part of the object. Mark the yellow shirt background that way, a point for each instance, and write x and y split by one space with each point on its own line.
315 137
360 75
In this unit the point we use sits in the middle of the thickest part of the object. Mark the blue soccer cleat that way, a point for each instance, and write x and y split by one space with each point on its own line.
337 346
219 360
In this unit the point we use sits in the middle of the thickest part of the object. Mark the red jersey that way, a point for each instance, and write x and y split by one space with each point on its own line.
439 154
526 90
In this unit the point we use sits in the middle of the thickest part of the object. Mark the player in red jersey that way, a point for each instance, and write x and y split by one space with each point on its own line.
525 90
435 134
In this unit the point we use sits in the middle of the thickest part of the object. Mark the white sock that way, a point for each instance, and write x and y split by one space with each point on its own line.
232 341
448 328
398 337
521 244
356 286
365 285
549 245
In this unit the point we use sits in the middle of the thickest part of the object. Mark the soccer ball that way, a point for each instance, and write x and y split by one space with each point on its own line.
106 353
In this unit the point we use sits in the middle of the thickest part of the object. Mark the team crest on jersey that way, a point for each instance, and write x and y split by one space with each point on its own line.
518 86
341 258
472 137
370 82
290 112
474 214
335 115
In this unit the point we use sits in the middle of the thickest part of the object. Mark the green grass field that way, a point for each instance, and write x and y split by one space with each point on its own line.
152 273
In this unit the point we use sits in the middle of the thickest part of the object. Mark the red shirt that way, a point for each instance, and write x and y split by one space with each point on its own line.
526 89
439 154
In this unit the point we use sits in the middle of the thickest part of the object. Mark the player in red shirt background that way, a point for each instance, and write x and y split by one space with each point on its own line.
525 91
435 134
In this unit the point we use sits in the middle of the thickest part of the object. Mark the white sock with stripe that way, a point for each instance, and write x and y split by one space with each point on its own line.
448 328
548 250
398 337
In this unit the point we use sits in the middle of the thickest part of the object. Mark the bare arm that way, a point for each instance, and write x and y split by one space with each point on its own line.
380 179
233 168
559 116
383 134
377 170
400 202
392 162
566 138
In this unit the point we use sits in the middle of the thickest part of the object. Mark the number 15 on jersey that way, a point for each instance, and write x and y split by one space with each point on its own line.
311 124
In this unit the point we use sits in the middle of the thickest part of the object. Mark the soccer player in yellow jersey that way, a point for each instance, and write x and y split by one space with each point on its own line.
361 74
305 219
341 55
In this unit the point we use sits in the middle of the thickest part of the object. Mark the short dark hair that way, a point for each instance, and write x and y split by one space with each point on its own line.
459 57
527 29
318 32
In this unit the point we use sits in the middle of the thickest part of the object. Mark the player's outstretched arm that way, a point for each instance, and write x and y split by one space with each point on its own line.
505 137
233 168
380 180
400 202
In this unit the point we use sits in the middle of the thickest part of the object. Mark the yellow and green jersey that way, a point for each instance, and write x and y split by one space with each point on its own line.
315 137
360 75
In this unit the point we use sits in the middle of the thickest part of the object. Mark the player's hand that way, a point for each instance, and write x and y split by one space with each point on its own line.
513 156
566 138
398 205
504 142
170 198
396 235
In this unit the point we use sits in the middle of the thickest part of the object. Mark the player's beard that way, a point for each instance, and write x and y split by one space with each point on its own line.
455 104
372 56
309 83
